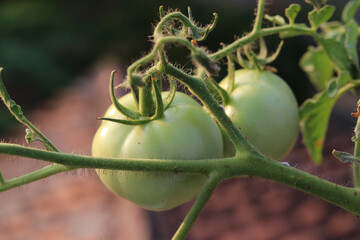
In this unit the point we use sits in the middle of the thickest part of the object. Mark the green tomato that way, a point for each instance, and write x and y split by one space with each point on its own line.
185 132
265 110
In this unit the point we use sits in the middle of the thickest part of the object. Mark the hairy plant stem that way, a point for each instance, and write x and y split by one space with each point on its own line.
262 33
34 176
18 114
356 165
198 88
204 196
242 165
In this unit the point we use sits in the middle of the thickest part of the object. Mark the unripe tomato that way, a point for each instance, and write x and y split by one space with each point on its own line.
265 110
185 132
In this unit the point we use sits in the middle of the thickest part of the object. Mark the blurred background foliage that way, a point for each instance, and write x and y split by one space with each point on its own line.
46 45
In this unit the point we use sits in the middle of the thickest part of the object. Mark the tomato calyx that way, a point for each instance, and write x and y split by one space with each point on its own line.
134 117
257 60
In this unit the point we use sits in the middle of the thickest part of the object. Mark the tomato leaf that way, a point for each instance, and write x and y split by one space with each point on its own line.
338 54
319 16
337 83
317 66
345 157
351 36
314 119
316 3
291 12
349 10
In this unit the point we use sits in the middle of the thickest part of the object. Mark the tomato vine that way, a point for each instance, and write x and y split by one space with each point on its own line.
336 44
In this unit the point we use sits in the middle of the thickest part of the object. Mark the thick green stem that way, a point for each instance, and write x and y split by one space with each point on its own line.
259 16
199 89
262 33
239 166
174 15
356 165
34 176
345 197
204 196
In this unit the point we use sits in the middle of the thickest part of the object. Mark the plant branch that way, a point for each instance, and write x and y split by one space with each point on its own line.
19 115
262 33
34 176
200 202
356 165
199 89
244 164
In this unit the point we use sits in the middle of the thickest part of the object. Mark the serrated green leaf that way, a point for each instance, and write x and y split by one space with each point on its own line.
317 66
336 84
338 55
334 30
351 36
320 16
349 10
291 12
314 119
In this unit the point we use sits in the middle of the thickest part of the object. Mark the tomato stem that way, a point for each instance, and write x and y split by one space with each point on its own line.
243 164
356 165
200 202
19 115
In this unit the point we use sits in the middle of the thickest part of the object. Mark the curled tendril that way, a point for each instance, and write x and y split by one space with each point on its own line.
188 28
257 60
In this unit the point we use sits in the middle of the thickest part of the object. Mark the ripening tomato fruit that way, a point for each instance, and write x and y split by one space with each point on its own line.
185 132
265 110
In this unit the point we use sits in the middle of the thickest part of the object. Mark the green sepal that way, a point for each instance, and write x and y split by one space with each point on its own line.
125 111
159 110
172 91
126 122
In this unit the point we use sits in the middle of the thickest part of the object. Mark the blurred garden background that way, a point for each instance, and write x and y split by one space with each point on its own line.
57 57
46 45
